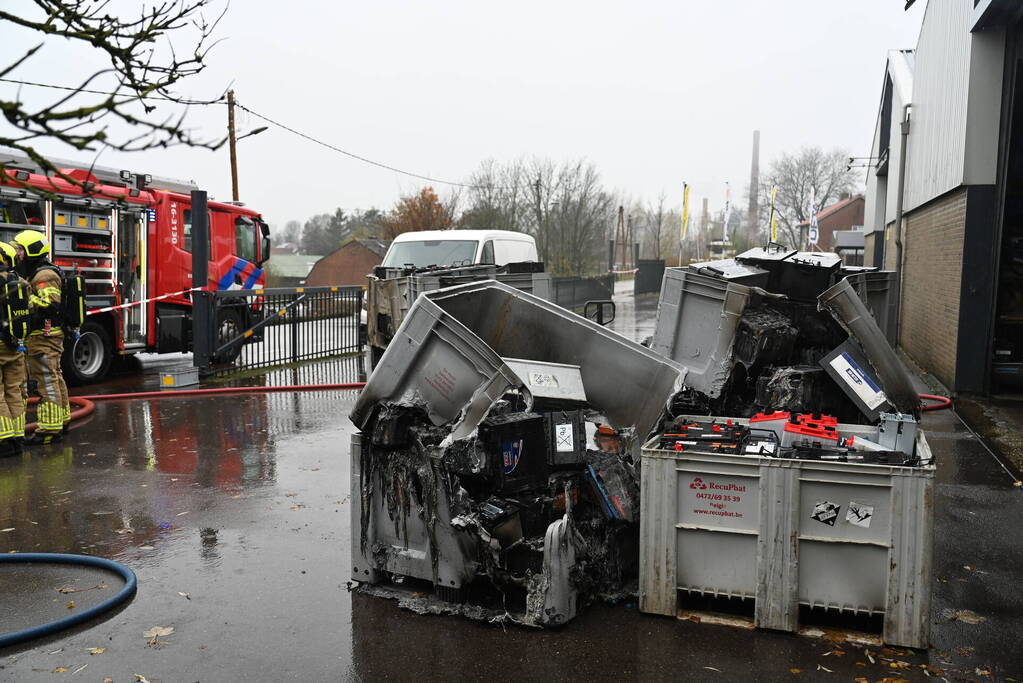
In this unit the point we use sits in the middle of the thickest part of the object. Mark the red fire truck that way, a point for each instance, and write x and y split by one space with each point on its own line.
130 236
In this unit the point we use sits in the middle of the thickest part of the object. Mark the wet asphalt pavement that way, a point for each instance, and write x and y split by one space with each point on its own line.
233 512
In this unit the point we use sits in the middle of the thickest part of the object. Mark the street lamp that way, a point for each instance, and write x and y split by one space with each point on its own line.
233 141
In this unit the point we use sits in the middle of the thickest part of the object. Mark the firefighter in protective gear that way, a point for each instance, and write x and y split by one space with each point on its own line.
14 315
45 343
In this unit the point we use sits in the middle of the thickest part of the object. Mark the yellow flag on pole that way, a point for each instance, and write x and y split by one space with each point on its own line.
774 218
685 209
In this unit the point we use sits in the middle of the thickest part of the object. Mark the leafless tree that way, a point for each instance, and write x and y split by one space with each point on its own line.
132 105
810 171
564 207
655 222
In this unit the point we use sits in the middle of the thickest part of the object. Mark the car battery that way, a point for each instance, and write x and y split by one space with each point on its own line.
516 445
714 437
810 428
566 438
897 432
848 366
774 422
502 521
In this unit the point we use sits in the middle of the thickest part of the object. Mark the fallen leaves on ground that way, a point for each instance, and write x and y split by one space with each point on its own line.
965 651
97 650
60 670
297 507
861 679
795 671
79 669
964 615
154 633
123 531
984 671
146 547
1017 483
139 678
824 668
186 596
70 605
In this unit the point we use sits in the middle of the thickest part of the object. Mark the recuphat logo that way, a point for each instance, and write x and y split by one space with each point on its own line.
698 484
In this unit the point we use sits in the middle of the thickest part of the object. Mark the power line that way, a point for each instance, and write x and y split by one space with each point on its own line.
110 94
291 130
362 158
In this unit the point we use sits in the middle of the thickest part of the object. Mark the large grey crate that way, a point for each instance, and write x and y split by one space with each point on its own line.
880 292
744 526
697 317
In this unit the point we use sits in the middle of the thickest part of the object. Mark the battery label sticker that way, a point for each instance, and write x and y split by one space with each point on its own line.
540 379
563 438
862 384
859 514
511 453
825 512
151 215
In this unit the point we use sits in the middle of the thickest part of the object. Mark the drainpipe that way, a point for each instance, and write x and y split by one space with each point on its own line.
898 218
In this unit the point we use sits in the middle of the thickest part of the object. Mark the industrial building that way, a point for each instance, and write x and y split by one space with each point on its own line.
944 198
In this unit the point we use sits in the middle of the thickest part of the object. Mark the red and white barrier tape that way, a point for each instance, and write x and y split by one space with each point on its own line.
623 272
144 301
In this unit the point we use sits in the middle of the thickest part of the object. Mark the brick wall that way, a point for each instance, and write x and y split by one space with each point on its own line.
844 218
349 265
932 271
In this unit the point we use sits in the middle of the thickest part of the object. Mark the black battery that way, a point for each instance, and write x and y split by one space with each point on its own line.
566 438
516 444
714 436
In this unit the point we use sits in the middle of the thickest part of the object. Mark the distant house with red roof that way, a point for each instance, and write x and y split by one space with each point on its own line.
846 214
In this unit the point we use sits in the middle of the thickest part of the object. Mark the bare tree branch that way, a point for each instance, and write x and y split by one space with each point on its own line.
144 69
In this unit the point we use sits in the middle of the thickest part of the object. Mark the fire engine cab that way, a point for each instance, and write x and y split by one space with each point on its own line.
129 235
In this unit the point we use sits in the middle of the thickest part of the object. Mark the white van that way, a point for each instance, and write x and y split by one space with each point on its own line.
459 248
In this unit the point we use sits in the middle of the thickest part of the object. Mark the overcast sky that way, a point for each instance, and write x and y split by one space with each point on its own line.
653 93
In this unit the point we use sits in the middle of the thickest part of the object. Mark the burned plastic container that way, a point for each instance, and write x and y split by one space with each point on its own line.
627 383
697 319
786 533
731 270
799 275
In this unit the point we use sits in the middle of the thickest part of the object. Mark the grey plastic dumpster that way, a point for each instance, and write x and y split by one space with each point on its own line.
752 527
410 516
697 317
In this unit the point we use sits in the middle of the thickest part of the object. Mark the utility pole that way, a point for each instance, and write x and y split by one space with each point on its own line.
232 144
620 238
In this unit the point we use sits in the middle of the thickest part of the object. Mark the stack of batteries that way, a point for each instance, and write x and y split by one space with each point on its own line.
803 436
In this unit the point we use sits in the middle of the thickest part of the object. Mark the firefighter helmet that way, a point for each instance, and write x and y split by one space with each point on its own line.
33 242
8 255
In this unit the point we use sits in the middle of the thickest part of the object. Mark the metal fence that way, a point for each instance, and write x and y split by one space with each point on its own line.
264 328
574 292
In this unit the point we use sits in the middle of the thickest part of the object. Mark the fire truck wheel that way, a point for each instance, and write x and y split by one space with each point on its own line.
87 359
230 328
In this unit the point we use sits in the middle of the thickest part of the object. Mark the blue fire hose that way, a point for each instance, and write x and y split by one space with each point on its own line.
126 592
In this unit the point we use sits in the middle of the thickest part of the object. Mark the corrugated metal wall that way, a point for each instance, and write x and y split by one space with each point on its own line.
937 143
